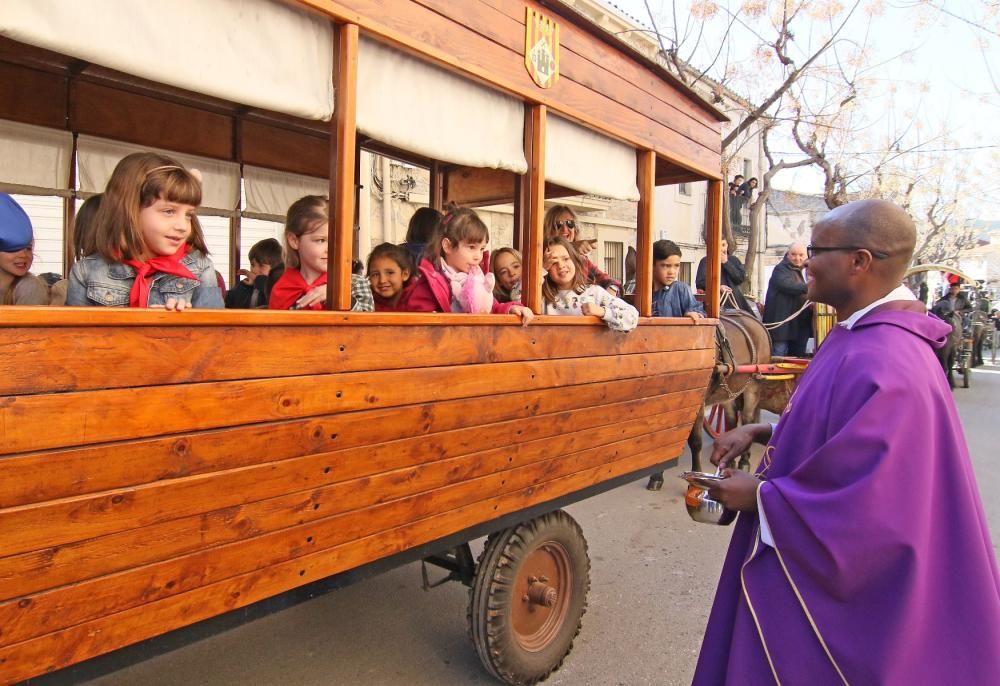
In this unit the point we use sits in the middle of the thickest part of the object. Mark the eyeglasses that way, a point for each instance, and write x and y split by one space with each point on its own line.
566 223
813 250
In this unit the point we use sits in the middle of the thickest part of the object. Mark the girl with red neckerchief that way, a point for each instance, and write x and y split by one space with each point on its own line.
147 248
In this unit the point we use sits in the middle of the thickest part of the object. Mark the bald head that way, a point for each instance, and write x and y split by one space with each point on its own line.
881 227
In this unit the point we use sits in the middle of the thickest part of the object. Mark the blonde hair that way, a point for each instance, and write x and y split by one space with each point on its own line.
458 224
579 285
139 180
306 215
549 223
499 292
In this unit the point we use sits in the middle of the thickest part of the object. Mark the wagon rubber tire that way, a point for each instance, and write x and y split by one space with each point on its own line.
520 638
966 373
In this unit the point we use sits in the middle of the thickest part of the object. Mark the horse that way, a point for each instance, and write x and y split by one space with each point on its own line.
981 327
947 353
740 339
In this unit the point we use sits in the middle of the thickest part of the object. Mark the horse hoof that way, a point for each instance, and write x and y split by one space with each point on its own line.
655 483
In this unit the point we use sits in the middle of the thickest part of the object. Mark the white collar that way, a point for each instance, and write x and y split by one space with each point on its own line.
898 293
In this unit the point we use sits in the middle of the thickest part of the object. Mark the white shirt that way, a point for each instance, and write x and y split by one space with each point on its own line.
898 293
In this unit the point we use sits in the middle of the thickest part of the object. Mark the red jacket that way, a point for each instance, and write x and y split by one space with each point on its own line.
403 304
432 293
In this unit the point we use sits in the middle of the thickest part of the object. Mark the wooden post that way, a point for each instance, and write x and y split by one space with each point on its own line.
69 217
520 210
534 149
436 199
235 222
343 165
646 180
713 240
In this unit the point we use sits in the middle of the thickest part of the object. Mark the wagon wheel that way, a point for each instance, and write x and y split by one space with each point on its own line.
716 422
528 597
966 373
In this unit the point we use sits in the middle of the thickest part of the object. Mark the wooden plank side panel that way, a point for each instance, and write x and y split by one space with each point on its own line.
44 360
104 467
121 414
54 609
28 573
55 523
62 648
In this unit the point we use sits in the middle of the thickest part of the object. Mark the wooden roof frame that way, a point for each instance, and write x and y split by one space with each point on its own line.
604 85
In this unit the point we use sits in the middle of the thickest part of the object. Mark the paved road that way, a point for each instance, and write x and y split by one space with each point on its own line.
653 577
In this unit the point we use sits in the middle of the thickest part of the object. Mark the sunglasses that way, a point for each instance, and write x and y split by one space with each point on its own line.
813 250
566 223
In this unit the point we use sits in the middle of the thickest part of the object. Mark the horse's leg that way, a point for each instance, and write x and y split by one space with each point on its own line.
749 414
696 441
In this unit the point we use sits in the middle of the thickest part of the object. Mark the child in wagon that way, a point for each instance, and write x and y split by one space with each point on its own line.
302 285
566 292
452 274
147 248
671 298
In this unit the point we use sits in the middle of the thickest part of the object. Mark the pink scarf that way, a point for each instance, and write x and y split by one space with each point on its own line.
473 291
145 271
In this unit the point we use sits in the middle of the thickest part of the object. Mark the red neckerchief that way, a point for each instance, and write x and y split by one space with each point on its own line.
145 271
290 287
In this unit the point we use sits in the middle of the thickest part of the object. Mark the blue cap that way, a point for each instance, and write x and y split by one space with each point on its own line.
15 226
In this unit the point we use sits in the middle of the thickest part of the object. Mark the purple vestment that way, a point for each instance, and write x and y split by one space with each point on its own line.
883 571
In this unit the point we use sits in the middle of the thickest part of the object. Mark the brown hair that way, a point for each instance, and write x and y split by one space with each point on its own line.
83 227
423 224
306 215
549 223
499 292
139 180
267 251
579 285
396 253
458 224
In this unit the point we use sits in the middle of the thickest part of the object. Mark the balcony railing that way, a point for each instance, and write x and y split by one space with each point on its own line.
739 215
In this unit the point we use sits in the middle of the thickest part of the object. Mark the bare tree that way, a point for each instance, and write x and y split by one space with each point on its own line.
782 41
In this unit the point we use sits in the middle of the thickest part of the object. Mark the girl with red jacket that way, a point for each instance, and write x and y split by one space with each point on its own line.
452 278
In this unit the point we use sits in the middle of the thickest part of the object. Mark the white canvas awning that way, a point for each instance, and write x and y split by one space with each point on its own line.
427 110
584 160
261 53
34 160
270 193
97 157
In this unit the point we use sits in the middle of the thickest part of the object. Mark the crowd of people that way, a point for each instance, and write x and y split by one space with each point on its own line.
139 244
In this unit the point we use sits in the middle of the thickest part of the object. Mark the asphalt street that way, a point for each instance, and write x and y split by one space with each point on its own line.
653 578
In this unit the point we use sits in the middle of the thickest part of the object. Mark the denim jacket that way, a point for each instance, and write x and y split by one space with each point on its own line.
96 281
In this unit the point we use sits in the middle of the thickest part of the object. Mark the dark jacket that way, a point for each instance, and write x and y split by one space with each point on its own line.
733 274
786 292
243 296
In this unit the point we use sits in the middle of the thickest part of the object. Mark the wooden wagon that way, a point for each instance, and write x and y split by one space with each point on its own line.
299 450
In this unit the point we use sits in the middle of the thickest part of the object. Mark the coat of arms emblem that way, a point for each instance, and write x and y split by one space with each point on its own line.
541 48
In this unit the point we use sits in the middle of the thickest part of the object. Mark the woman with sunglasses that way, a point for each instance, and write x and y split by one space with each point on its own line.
560 220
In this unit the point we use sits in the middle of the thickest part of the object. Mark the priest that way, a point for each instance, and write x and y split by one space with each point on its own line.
861 554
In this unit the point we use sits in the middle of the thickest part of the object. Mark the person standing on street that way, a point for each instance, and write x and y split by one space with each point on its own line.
861 554
786 294
733 274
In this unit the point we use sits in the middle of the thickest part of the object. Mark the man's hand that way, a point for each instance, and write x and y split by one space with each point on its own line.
694 315
733 443
738 491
